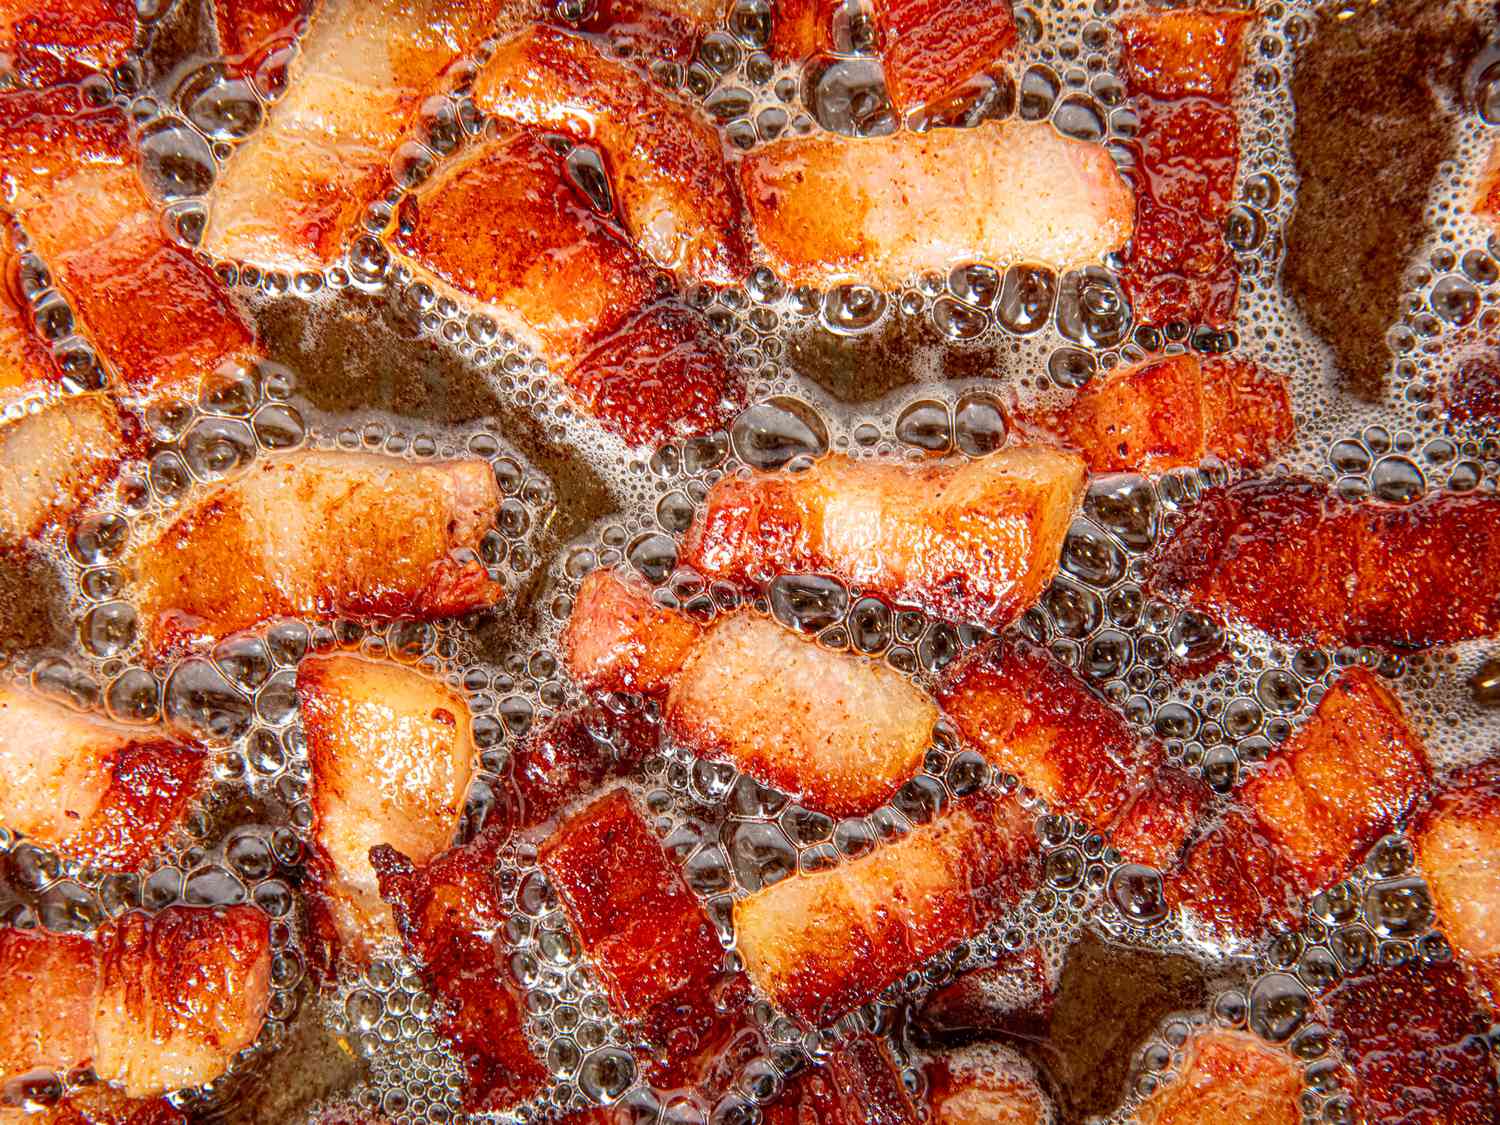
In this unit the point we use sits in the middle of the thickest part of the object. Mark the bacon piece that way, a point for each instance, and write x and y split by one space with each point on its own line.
836 731
801 29
247 28
445 910
101 1105
985 1086
975 540
1231 883
52 41
1030 716
1458 846
564 279
656 28
653 945
1013 997
1169 413
1296 560
319 533
1419 1054
290 196
1181 66
47 985
1342 781
1228 1078
180 994
929 47
86 788
617 639
1161 818
157 316
821 944
857 1084
832 209
1472 392
392 757
671 184
53 460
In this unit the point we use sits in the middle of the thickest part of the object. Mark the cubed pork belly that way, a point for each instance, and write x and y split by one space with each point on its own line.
1458 847
856 1084
973 540
1169 413
156 315
648 936
1344 779
824 943
1232 884
53 459
292 195
1471 392
100 1105
655 29
568 282
832 209
1228 1077
1014 997
618 640
1416 1045
52 41
1180 66
930 47
670 182
801 29
392 757
448 911
986 1085
1293 558
89 789
47 987
248 29
323 533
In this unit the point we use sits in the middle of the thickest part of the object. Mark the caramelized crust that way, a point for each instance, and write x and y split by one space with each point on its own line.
1169 413
319 533
1458 847
647 934
51 41
819 945
832 209
671 184
1030 716
1418 1051
801 29
102 1105
1182 66
931 46
180 994
47 985
156 315
566 281
1294 559
973 540
570 756
1472 392
446 911
1231 883
53 460
652 28
1228 1078
1012 998
290 196
247 28
1342 781
392 757
857 1084
618 640
86 788
1161 818
836 731
984 1086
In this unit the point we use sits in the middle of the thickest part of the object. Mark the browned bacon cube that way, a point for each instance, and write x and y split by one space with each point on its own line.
821 944
667 29
857 1084
974 540
1228 1078
87 788
929 47
248 28
801 29
1293 558
103 1105
618 640
1458 847
52 41
1013 997
647 934
47 987
1181 66
444 911
1247 412
985 1085
1342 781
1232 884
1416 1045
52 461
563 759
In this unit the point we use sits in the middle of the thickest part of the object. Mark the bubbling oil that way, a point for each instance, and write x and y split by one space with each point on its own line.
364 356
